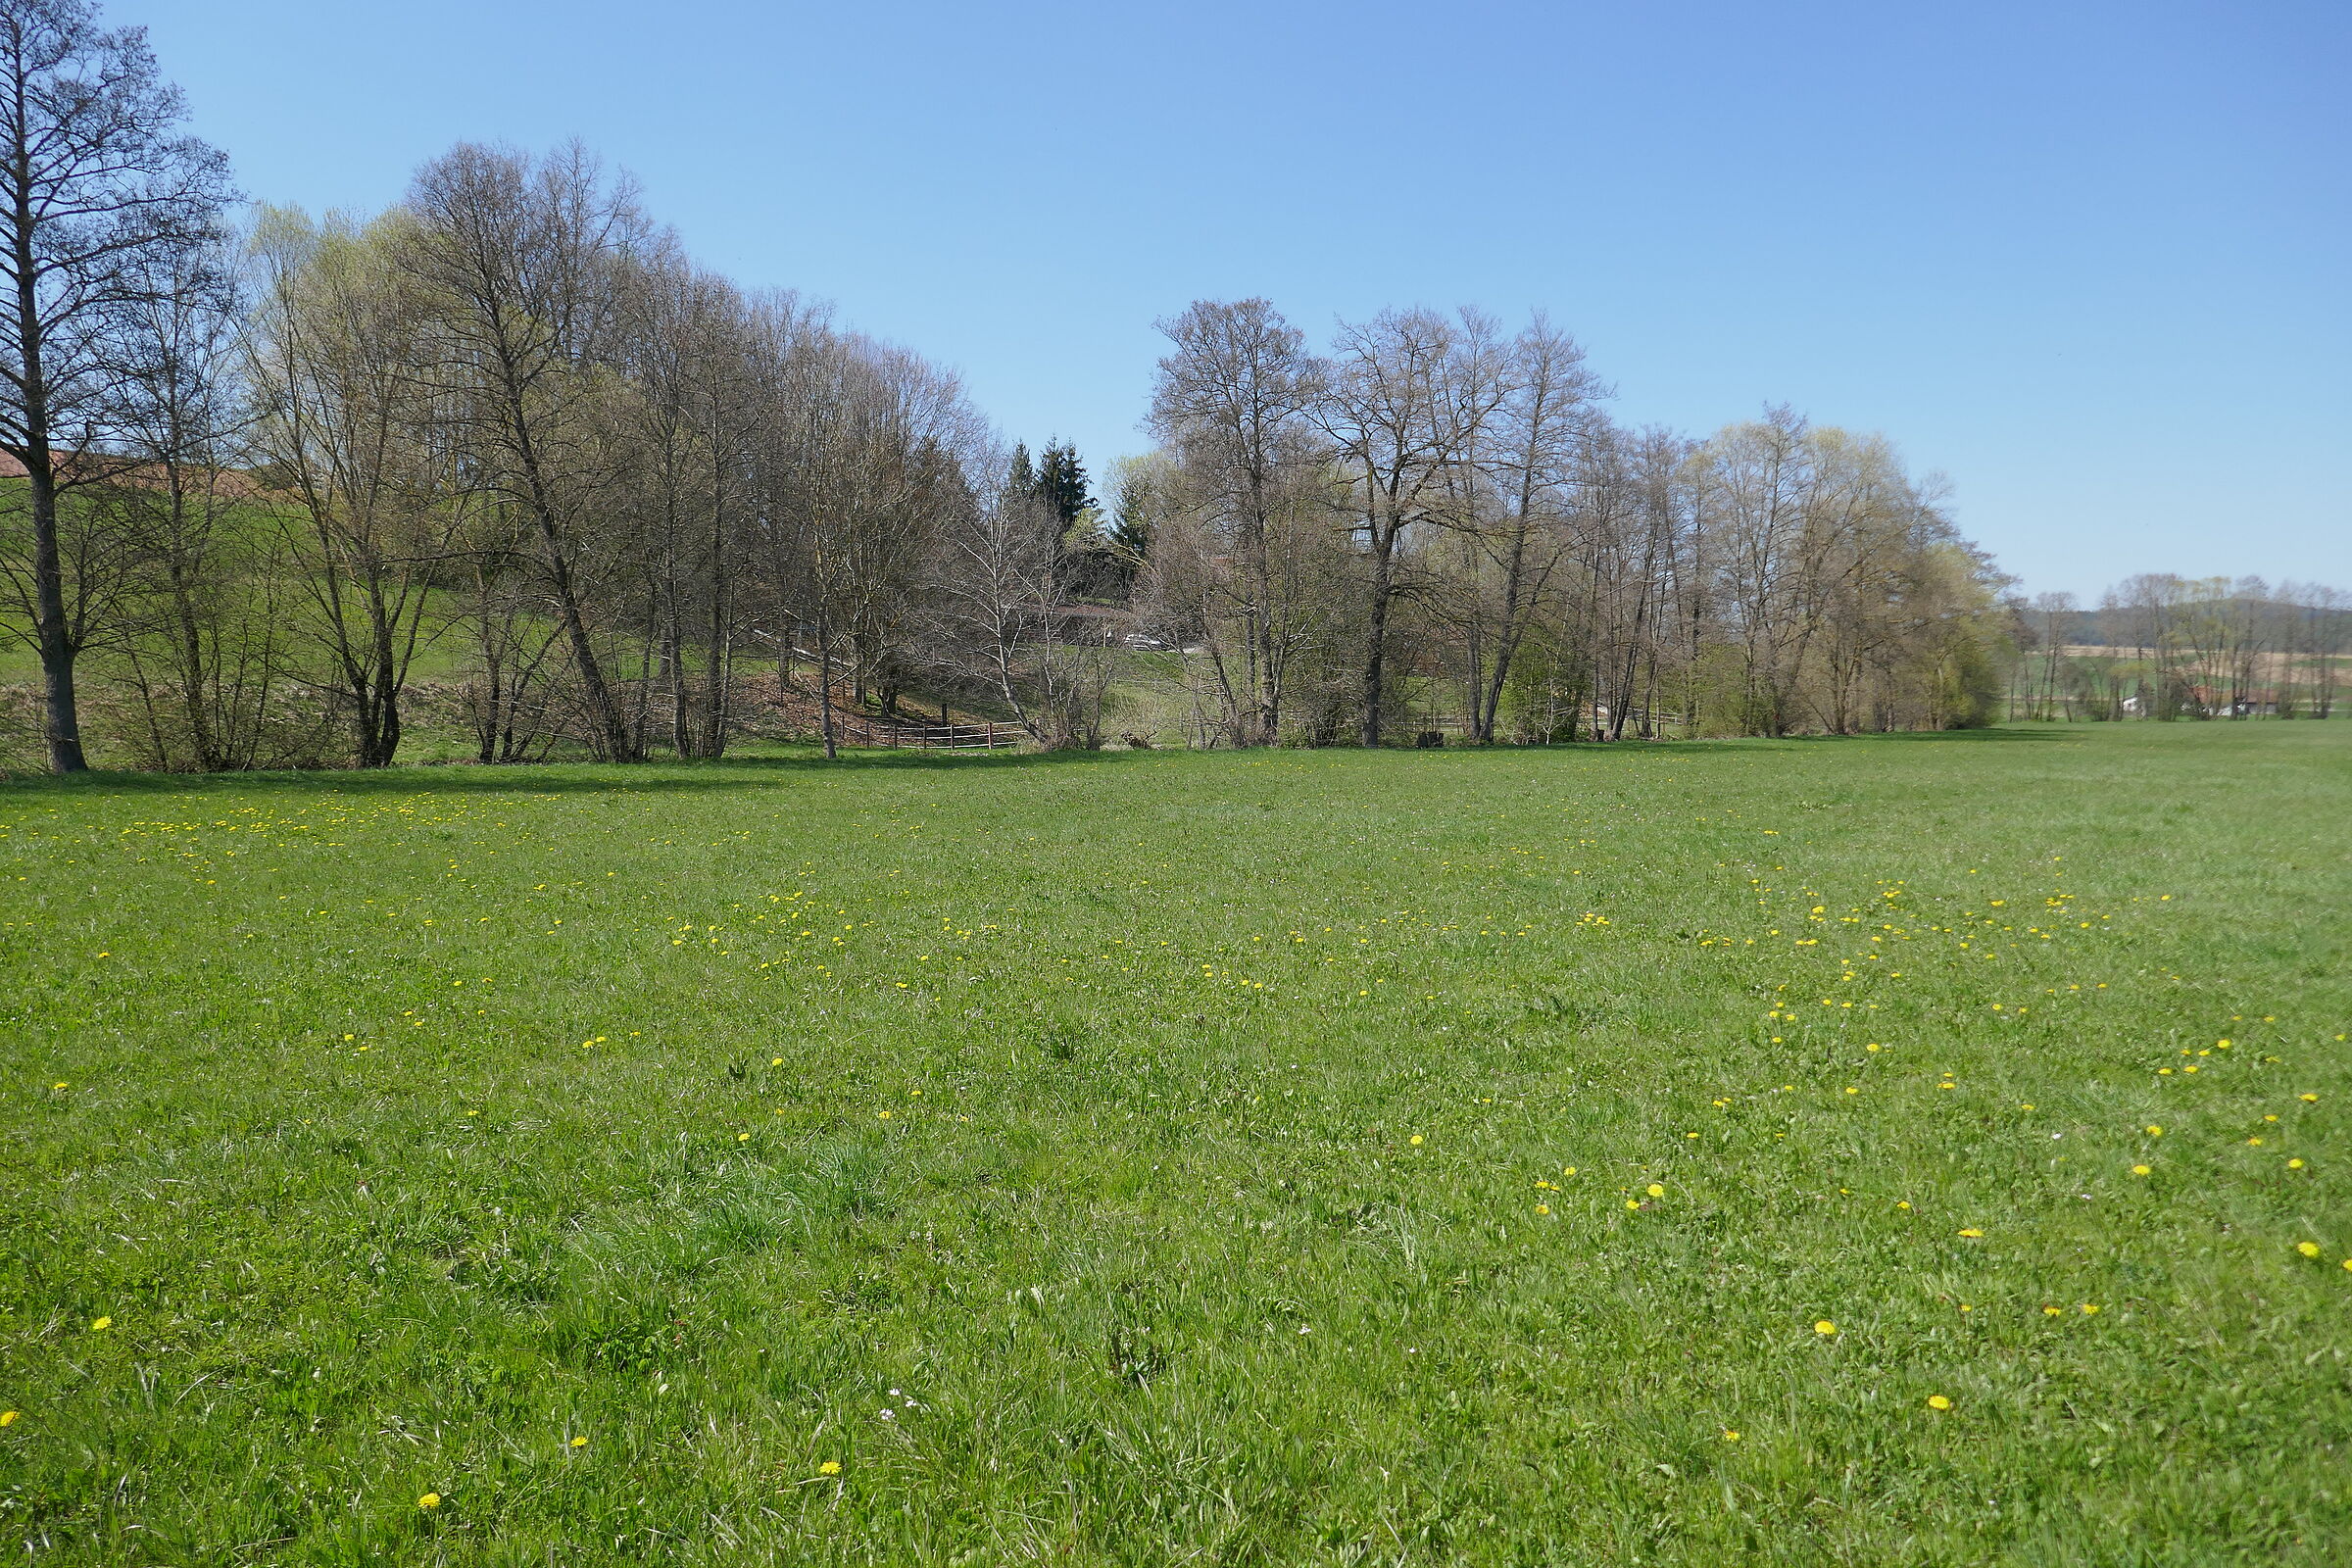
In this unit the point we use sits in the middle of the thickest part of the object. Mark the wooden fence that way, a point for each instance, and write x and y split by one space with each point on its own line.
858 729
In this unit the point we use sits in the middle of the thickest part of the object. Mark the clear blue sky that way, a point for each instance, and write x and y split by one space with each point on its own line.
2089 259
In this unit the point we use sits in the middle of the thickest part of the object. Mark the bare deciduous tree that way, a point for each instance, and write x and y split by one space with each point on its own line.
100 202
530 259
1406 396
1234 402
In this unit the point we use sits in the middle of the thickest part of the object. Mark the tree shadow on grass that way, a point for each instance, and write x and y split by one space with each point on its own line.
1931 737
1669 750
543 778
738 772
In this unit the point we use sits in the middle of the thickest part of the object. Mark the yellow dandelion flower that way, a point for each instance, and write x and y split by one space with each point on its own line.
1937 1402
1656 1191
2141 1170
101 1325
1972 1232
7 1417
2089 1307
2308 1248
831 1467
1415 1139
1542 1209
2051 1312
579 1443
2155 1131
1729 1436
1825 1327
2294 1165
431 1499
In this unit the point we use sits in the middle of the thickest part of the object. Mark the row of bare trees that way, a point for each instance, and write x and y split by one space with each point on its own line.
1433 515
2165 647
502 457
522 423
509 435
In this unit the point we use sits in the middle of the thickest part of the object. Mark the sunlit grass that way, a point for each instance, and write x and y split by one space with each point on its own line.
1298 1157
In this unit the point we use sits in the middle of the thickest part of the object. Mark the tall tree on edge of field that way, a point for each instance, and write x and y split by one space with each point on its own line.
346 427
98 200
529 258
1233 400
1404 398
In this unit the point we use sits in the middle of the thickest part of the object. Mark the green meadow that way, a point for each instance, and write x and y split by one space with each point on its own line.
1921 1150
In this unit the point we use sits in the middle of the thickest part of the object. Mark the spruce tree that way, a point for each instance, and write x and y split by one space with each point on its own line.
1062 481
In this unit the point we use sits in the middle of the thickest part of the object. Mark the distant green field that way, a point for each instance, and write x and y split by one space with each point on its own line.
1533 1157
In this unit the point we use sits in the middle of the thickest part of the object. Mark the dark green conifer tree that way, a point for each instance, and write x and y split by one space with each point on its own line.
1062 481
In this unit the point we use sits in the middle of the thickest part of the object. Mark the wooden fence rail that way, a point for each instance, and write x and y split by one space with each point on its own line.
856 730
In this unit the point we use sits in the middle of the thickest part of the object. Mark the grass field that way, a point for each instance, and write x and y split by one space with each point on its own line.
1559 1156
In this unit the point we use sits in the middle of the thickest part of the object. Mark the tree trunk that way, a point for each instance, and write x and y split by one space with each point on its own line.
612 729
824 690
1376 645
382 739
64 716
673 668
718 672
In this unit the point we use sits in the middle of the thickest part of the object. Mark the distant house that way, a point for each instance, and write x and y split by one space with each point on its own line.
2223 702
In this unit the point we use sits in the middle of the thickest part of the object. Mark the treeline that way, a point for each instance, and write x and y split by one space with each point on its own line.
2163 646
1432 517
504 462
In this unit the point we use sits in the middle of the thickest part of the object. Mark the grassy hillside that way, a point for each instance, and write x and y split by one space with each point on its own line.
1919 1148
